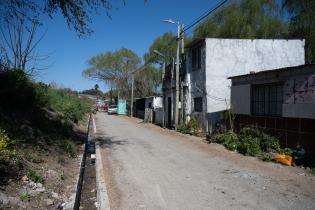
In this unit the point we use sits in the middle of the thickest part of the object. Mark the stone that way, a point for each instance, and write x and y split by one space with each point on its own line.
48 202
54 195
24 178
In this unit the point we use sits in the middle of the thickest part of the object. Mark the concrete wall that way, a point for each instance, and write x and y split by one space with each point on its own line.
230 57
196 82
299 97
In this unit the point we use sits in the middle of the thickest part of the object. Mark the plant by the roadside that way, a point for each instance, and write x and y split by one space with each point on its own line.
35 176
249 145
229 139
61 175
61 161
25 196
70 148
313 171
5 144
192 127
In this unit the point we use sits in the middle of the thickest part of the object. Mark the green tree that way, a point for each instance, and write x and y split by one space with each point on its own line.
77 13
166 44
302 24
245 19
147 81
114 68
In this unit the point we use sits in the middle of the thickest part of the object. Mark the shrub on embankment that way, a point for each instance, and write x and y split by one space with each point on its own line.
35 117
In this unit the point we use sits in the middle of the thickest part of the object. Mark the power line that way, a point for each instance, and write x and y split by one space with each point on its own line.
204 16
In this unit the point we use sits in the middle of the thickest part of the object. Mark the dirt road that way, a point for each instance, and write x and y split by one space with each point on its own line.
148 167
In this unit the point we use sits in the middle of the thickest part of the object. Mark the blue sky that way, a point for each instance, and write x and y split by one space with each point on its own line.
133 26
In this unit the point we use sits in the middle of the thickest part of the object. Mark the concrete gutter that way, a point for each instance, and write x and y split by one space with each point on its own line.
102 195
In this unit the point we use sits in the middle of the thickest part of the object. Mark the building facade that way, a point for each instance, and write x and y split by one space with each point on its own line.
280 102
209 62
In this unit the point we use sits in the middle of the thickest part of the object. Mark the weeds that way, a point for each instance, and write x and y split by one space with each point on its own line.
35 176
61 161
61 175
251 142
70 148
25 196
192 127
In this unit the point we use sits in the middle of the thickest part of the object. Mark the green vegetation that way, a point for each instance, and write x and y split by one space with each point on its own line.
61 175
192 127
35 118
70 148
251 142
25 196
35 176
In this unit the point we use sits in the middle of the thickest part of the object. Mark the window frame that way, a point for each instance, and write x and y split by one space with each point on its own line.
198 108
196 59
267 105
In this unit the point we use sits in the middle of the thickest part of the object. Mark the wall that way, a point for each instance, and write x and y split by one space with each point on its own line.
196 83
230 57
299 96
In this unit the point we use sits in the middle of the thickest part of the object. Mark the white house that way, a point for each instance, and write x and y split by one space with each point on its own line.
210 61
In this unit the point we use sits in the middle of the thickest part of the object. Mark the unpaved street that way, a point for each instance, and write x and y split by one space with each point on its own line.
148 167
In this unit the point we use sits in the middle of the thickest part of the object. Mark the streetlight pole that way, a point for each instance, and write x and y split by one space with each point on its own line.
179 34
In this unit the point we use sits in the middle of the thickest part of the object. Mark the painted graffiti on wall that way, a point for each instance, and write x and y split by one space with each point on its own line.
300 90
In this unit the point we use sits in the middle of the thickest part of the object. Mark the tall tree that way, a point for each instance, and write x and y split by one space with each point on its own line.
114 68
18 44
302 24
245 19
77 13
166 44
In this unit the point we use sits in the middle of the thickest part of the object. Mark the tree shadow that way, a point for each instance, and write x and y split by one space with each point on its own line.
110 141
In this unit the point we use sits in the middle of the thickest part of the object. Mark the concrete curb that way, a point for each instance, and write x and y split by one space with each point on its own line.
102 195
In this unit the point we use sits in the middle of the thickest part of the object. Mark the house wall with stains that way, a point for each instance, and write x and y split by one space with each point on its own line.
299 96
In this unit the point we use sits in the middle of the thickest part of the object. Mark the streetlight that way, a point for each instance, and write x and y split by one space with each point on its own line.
163 72
179 36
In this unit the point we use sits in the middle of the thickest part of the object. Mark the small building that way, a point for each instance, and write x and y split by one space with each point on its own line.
278 101
151 102
209 61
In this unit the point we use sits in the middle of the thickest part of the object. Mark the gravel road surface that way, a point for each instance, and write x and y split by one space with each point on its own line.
147 167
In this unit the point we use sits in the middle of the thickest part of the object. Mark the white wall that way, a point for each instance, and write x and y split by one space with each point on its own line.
230 57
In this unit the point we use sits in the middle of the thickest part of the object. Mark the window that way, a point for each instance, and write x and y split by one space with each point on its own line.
267 99
196 58
198 104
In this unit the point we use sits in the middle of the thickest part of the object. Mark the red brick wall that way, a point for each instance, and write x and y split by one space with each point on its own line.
290 131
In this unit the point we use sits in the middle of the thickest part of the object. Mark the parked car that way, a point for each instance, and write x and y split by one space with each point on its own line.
112 109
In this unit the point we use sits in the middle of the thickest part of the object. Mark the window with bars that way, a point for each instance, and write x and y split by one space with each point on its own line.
198 104
196 58
267 99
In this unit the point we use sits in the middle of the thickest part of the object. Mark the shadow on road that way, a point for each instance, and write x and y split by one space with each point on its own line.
109 141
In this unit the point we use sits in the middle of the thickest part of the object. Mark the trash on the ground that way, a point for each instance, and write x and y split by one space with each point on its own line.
284 159
93 157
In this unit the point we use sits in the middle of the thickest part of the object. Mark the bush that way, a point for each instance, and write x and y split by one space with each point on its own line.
35 176
249 145
69 148
192 127
229 139
6 144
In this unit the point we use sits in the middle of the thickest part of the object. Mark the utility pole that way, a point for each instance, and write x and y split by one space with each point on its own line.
131 101
179 30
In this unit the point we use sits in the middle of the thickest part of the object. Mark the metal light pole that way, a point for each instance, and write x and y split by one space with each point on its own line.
179 30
